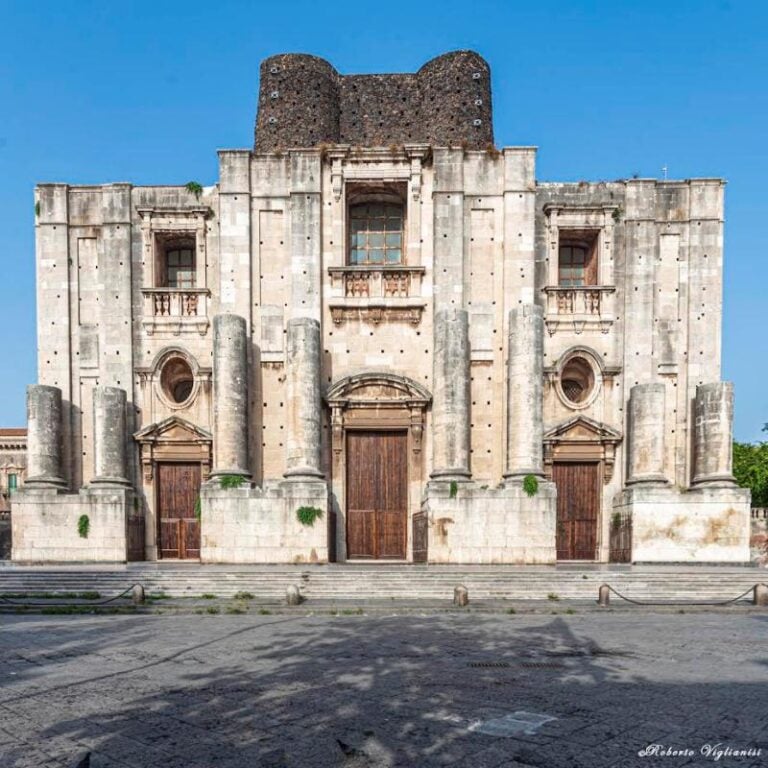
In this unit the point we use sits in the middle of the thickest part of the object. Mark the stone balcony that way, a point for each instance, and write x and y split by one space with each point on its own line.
376 293
175 311
579 308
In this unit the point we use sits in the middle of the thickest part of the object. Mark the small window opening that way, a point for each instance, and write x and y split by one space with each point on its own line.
577 380
176 262
577 258
376 219
177 380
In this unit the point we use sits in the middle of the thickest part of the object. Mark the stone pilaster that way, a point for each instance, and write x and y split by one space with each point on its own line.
44 437
713 426
450 410
304 405
646 434
525 372
109 409
230 396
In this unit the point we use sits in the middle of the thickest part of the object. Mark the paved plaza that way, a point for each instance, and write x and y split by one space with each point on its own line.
451 689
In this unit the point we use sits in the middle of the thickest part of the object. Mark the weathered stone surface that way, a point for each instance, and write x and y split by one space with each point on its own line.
646 434
450 410
230 388
525 381
109 405
304 403
713 434
44 437
305 102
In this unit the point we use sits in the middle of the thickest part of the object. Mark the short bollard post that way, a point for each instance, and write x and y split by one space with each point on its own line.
460 596
292 595
760 595
604 596
137 594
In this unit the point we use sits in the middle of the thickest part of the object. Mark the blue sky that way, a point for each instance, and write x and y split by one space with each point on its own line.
145 92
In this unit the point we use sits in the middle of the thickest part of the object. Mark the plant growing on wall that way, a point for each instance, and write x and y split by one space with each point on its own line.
83 526
195 188
530 485
308 515
454 489
616 521
37 208
198 509
231 481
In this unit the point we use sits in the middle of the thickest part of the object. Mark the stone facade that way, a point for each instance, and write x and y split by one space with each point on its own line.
13 471
379 323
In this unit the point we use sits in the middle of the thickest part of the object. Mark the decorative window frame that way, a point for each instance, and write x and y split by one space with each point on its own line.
589 307
174 311
603 374
377 293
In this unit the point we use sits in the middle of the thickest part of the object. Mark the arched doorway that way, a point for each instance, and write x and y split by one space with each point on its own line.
377 422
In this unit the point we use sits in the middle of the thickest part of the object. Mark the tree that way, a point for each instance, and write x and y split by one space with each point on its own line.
750 468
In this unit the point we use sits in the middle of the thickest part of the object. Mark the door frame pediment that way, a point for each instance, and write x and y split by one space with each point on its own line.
581 439
174 439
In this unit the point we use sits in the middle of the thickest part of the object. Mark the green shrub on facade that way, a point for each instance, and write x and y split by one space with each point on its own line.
453 490
308 515
195 188
231 481
530 485
83 526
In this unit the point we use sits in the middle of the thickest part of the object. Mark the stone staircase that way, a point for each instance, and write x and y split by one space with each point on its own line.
391 582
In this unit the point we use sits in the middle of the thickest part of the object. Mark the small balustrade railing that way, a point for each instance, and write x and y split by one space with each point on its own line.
175 302
376 282
591 300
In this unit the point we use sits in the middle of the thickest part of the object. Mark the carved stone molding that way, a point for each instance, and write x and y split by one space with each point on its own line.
377 400
581 439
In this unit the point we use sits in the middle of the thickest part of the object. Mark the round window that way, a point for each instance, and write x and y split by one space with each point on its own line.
577 380
177 380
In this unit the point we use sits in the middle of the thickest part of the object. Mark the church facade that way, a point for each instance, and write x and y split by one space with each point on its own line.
378 337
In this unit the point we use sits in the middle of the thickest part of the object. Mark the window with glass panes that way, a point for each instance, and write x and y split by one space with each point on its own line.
180 267
376 233
572 265
12 482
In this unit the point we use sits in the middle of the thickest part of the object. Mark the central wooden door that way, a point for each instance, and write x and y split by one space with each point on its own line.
578 502
178 486
377 494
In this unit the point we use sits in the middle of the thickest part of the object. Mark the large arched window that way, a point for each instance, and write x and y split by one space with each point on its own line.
376 233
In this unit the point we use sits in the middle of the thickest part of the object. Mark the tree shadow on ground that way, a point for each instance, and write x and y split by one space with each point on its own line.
361 692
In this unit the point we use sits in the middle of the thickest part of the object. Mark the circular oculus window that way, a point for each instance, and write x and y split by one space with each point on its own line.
177 380
577 381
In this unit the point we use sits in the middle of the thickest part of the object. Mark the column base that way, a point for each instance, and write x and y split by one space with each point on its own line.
714 481
658 480
303 473
459 474
46 482
121 482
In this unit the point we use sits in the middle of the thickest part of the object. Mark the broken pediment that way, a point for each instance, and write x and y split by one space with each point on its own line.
581 439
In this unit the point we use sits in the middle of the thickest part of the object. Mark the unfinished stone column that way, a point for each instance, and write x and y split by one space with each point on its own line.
109 436
646 434
44 437
450 411
230 396
712 438
302 373
525 372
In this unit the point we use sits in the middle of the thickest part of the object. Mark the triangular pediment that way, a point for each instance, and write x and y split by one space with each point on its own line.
173 429
582 428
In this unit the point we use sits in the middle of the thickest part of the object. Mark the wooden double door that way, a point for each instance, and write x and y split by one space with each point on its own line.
377 494
578 505
178 487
